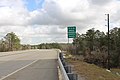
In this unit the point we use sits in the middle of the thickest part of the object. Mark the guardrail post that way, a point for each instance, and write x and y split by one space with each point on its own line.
68 69
72 76
61 56
64 63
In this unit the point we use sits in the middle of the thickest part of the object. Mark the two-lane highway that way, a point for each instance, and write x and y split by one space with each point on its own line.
29 65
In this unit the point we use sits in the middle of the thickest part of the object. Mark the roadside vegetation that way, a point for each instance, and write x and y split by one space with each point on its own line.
89 54
49 46
88 71
93 46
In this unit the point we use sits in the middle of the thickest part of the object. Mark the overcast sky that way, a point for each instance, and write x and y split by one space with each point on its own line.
39 21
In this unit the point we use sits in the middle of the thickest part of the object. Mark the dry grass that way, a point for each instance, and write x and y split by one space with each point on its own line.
93 72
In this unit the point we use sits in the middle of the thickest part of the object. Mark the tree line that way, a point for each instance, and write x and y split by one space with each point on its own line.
49 46
93 45
10 42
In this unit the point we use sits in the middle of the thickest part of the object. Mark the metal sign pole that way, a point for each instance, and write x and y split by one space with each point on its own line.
75 47
68 40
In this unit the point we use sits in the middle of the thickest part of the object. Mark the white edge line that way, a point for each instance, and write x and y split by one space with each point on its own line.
18 70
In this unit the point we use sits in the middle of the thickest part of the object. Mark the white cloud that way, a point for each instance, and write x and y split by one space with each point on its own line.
101 2
48 24
13 12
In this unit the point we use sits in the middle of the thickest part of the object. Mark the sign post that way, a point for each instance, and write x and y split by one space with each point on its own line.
71 32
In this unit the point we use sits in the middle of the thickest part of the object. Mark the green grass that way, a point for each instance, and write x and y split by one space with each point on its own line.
93 72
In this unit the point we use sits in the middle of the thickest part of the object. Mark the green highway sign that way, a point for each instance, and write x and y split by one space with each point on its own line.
71 35
72 32
72 29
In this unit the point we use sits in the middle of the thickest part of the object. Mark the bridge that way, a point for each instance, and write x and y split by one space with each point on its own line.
43 64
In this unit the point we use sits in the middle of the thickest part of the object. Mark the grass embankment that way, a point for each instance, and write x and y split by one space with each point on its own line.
93 72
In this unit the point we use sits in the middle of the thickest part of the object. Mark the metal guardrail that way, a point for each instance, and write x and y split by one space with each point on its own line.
63 72
65 69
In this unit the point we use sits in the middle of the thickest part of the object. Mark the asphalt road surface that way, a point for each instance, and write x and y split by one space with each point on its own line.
29 65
